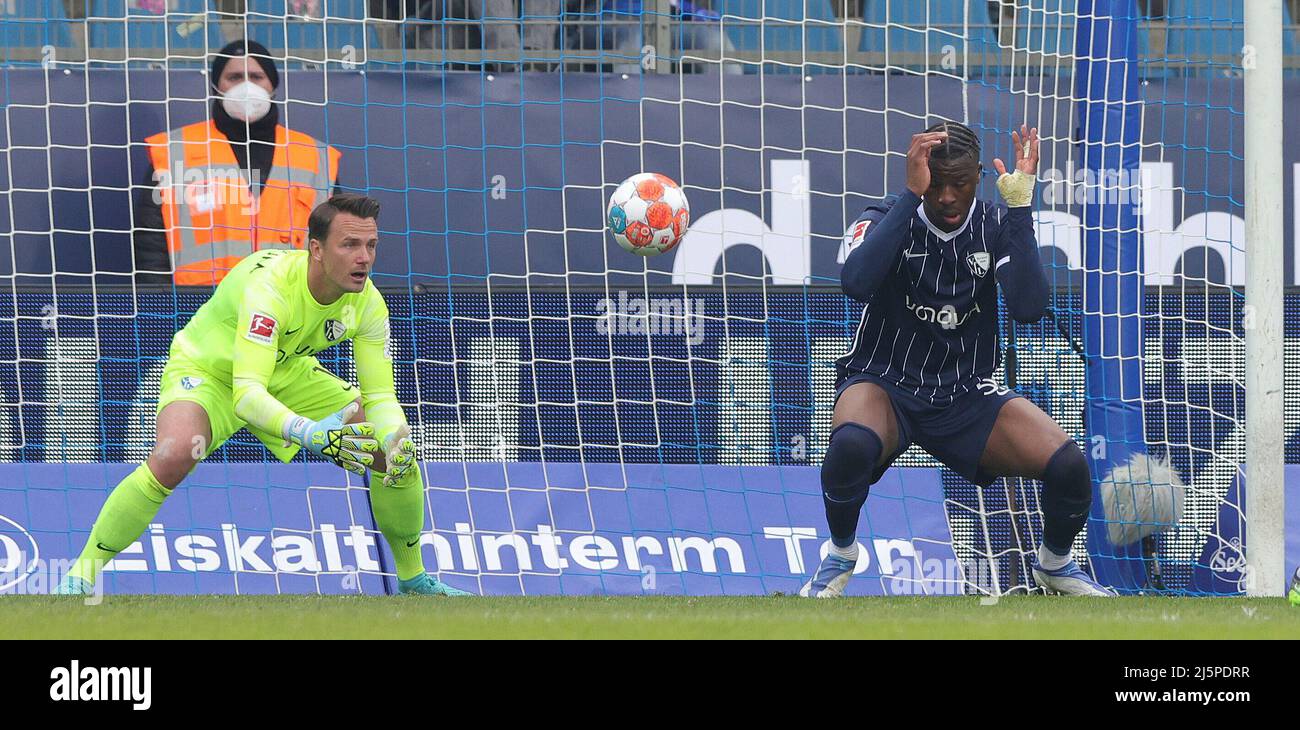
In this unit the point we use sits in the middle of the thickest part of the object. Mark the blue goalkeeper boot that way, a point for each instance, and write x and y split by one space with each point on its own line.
829 580
426 585
73 585
1068 580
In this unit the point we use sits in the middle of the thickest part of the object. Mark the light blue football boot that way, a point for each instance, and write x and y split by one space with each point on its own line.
74 585
829 580
426 585
1068 580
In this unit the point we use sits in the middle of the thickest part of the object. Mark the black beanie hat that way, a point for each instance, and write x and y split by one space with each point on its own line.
239 49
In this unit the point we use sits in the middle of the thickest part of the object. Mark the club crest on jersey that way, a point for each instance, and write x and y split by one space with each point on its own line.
190 382
261 328
334 329
978 261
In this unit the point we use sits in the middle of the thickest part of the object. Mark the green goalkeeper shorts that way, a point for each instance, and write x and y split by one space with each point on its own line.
300 383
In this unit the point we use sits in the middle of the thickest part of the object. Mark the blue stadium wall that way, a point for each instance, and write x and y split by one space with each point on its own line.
430 148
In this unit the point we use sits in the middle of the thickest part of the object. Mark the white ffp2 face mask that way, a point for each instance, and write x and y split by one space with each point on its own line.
246 101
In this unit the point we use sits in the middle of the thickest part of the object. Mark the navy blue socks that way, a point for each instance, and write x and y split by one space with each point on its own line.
1067 496
848 472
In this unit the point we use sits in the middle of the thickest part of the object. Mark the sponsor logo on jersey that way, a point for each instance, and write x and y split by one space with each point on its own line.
261 328
190 382
334 329
989 386
978 261
945 316
281 355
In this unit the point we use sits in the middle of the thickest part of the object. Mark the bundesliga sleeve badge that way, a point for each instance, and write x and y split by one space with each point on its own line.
853 237
261 328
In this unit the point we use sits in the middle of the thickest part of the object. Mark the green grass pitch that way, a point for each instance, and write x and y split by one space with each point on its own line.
405 617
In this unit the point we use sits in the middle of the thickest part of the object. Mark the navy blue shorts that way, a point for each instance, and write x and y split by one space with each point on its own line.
955 434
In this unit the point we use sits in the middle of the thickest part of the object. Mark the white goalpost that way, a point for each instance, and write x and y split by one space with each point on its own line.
1265 429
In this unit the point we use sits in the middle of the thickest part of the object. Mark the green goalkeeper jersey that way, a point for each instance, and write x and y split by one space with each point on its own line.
262 315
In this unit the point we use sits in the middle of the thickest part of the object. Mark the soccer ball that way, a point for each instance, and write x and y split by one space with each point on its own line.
1294 595
648 214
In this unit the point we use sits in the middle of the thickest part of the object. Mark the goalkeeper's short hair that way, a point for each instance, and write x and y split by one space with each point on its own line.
362 206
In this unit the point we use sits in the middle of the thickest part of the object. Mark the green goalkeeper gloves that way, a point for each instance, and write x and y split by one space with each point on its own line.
1017 188
399 452
350 445
353 445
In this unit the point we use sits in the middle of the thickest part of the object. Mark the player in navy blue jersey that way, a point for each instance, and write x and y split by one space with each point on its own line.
928 263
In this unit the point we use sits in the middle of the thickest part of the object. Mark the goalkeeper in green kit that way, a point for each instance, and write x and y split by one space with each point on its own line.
246 359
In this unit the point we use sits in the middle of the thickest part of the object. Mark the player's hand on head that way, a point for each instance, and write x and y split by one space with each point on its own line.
399 455
349 445
918 160
1017 187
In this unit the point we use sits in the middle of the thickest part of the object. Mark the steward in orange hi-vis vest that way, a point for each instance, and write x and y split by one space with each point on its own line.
212 220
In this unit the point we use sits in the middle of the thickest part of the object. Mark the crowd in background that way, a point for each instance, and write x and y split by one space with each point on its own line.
515 26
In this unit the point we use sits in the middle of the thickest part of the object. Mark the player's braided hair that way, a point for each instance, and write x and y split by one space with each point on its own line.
962 144
318 224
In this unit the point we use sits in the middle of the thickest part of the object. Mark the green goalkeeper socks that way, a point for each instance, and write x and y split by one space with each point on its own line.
399 512
123 518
